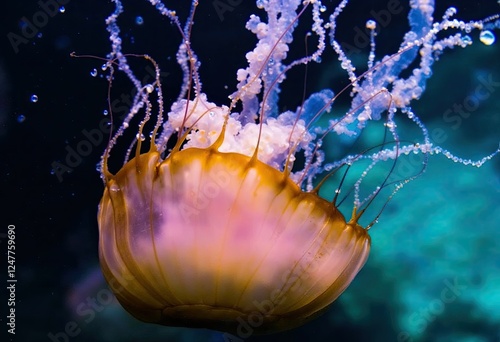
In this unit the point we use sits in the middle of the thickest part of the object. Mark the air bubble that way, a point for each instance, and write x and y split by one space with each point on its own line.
93 73
139 20
34 98
487 37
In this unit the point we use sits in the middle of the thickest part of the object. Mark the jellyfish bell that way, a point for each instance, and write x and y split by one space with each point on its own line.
207 239
220 229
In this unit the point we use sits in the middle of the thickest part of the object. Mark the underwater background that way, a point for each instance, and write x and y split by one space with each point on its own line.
434 270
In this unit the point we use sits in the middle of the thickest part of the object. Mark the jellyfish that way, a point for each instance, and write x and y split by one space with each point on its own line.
216 220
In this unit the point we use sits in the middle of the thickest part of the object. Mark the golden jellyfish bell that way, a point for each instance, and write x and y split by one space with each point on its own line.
209 239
